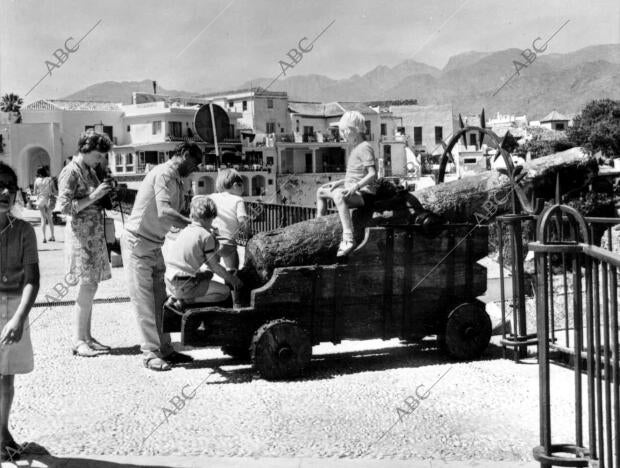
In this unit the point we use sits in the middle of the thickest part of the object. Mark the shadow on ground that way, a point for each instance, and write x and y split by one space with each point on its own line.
328 366
49 461
34 455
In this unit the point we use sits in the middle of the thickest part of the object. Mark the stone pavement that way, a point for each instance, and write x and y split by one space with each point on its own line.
202 462
344 412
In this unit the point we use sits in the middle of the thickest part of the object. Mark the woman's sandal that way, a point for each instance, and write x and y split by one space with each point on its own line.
95 345
156 364
83 350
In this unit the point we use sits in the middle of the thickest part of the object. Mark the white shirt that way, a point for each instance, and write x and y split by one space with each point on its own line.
230 210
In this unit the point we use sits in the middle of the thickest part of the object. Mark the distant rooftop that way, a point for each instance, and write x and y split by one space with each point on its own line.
392 102
60 104
554 116
327 109
256 90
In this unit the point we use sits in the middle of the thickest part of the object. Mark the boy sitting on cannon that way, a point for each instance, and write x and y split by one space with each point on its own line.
358 186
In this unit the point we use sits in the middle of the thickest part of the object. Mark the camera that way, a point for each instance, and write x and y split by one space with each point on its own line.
110 201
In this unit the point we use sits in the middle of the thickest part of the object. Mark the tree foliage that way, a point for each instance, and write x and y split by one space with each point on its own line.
597 127
539 148
12 103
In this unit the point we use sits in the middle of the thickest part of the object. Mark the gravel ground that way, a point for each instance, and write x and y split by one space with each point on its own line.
345 407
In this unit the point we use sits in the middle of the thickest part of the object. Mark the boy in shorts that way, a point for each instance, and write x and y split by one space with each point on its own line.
191 259
359 179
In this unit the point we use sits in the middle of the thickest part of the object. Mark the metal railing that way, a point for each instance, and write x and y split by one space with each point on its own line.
262 216
591 338
514 299
268 216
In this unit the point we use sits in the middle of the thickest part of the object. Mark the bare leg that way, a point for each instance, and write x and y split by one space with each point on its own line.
7 390
231 261
345 214
43 221
83 312
321 205
50 221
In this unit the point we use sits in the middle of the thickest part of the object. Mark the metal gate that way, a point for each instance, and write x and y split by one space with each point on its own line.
564 244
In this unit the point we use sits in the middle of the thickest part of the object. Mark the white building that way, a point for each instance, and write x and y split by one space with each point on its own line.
555 121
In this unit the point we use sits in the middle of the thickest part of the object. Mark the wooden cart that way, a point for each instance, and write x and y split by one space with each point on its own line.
399 282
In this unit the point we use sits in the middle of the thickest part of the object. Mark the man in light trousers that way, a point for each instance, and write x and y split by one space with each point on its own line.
156 209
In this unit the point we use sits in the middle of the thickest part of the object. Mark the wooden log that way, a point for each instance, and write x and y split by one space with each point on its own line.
460 200
316 241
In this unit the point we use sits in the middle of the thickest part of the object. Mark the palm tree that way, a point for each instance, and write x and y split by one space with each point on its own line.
12 104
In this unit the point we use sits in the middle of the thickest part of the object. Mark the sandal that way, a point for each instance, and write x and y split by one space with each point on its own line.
156 364
11 452
95 345
82 349
345 247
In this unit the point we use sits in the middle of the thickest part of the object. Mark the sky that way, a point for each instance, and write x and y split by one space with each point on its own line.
200 45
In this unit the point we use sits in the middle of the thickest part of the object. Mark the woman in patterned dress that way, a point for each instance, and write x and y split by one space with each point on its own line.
85 249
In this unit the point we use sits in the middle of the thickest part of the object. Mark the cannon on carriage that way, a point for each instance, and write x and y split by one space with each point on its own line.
400 282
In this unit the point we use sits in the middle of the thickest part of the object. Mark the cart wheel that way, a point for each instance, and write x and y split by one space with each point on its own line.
280 349
240 353
468 332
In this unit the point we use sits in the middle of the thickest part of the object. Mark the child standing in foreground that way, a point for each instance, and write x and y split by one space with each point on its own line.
191 259
358 183
231 215
19 285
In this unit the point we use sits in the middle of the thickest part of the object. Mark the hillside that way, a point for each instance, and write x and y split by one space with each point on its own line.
469 81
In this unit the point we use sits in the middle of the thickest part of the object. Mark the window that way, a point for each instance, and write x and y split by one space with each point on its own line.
472 139
109 131
244 105
438 135
271 127
231 103
387 160
269 103
367 123
417 135
1 145
308 162
383 129
176 129
118 162
400 130
156 127
128 128
129 162
89 127
559 126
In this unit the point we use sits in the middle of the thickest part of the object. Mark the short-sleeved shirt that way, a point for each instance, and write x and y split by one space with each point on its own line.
185 254
361 157
230 210
162 187
18 247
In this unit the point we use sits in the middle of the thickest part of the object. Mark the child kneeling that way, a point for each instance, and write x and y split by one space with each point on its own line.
191 259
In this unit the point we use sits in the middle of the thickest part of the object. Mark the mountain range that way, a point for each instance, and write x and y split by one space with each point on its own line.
469 81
